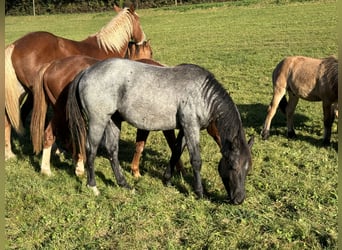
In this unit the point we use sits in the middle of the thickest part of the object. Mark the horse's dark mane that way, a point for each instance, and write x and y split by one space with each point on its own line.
222 109
330 66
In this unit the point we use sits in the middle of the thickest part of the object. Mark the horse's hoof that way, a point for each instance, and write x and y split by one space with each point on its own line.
136 174
95 190
79 172
127 186
291 134
167 183
46 172
265 134
9 155
199 194
326 143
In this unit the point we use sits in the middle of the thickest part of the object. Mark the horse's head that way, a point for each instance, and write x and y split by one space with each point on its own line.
234 166
136 51
138 35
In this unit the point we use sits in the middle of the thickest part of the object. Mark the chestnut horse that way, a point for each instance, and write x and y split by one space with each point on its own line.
56 77
25 57
310 79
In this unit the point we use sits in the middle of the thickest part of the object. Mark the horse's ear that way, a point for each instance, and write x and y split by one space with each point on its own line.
251 142
132 7
117 9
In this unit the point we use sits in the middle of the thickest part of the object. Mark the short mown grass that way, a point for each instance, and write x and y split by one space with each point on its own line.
291 198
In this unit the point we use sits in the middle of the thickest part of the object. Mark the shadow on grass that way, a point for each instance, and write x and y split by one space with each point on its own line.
253 116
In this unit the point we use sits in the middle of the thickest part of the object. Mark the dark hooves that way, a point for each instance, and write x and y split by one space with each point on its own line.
291 134
326 143
167 183
265 134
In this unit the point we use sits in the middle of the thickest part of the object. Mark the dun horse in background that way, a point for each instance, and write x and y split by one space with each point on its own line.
151 97
25 57
310 79
56 78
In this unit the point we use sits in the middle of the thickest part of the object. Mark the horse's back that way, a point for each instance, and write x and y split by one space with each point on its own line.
301 75
297 65
61 72
147 96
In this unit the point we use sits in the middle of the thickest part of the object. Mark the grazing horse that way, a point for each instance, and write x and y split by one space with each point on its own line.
56 77
149 97
25 57
310 79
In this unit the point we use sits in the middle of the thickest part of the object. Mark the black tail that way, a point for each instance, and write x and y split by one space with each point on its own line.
283 104
76 119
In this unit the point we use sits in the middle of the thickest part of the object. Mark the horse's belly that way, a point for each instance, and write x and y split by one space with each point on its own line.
150 118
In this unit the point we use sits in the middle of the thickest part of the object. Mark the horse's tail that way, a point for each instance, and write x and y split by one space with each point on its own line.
75 118
39 111
279 79
12 94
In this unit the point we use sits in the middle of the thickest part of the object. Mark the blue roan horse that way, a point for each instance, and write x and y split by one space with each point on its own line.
149 97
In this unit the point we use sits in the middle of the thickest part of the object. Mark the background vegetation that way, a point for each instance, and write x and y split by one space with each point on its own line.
291 192
25 7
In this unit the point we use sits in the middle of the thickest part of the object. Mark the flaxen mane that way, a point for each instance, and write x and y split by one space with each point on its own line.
116 33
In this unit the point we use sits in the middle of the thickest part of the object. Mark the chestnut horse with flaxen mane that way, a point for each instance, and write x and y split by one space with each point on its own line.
25 57
56 77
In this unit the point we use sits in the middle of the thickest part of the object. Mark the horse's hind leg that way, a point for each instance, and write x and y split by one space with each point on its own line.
49 139
141 138
178 148
291 106
111 141
278 94
329 115
96 128
171 141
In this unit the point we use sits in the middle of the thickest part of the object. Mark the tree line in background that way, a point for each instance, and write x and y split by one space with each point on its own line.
40 7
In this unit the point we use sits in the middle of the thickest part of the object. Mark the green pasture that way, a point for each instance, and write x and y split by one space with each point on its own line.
291 198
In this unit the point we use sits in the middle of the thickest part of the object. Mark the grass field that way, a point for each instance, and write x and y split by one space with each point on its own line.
291 198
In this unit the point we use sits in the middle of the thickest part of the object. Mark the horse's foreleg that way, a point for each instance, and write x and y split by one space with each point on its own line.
141 138
278 94
291 106
8 147
175 156
49 140
171 141
192 136
329 115
111 138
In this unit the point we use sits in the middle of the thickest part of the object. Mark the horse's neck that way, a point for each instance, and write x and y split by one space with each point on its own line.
90 47
229 126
